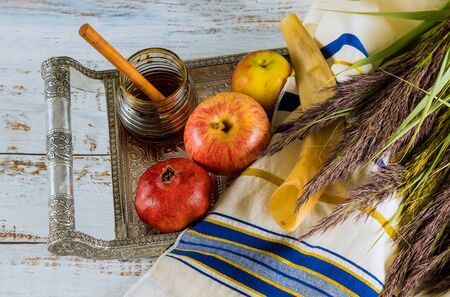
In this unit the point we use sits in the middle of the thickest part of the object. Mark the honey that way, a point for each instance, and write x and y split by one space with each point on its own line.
157 121
166 83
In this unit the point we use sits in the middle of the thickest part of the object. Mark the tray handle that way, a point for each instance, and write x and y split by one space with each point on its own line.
56 75
63 239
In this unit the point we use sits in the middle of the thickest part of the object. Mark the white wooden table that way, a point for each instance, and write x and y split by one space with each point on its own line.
30 32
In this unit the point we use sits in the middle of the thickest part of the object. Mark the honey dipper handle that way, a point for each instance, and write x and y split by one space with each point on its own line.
113 56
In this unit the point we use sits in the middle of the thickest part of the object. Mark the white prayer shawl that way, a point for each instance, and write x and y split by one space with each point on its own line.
238 250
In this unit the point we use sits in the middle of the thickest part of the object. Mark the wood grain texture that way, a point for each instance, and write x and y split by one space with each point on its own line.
29 270
24 198
32 31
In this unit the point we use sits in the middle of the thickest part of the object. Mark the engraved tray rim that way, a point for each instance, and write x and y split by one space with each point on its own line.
63 238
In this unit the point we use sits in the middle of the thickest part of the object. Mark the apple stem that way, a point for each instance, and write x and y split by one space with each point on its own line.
225 126
263 63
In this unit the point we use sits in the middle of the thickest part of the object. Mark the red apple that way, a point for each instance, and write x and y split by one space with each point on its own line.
172 194
226 132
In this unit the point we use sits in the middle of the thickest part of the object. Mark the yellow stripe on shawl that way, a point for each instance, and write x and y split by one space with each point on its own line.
276 180
279 258
263 174
218 273
240 267
375 214
295 248
345 63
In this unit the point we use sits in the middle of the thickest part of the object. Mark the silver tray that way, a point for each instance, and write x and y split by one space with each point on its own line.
129 159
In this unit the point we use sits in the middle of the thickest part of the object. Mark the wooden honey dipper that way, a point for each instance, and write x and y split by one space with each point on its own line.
113 56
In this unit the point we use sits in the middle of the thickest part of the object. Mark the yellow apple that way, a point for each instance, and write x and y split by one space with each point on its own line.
261 75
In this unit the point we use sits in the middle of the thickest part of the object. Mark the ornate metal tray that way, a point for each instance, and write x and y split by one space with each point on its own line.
129 158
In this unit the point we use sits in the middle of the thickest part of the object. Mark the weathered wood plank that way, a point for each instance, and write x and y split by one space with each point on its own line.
29 270
49 28
24 198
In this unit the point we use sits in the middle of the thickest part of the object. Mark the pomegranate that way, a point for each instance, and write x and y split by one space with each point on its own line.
172 194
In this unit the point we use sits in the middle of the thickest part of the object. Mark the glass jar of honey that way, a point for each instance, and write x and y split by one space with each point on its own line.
156 121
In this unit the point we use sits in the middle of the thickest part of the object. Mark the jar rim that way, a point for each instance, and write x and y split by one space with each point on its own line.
183 71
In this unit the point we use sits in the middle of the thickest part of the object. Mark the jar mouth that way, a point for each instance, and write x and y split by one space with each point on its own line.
149 51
